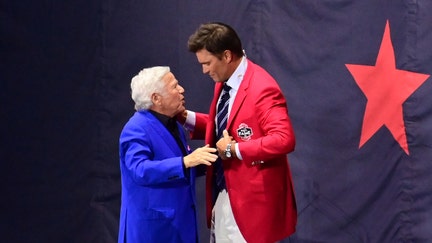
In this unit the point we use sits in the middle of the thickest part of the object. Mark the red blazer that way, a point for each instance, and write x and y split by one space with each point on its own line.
259 186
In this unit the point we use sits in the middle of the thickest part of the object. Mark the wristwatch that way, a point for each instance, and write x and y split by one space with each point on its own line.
228 151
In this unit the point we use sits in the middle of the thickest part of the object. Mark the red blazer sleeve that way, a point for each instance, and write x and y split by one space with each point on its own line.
200 126
274 135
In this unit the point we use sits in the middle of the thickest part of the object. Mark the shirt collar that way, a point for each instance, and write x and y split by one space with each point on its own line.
165 120
236 78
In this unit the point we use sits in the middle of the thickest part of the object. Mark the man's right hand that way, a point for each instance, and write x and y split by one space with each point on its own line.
204 155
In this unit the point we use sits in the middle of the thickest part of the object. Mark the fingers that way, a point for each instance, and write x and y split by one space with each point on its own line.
225 133
223 142
181 117
208 154
208 149
204 155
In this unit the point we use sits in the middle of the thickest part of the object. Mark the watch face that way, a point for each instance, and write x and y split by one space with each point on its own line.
228 151
228 154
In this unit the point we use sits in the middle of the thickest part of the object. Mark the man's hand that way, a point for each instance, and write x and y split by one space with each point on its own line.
204 155
181 117
221 145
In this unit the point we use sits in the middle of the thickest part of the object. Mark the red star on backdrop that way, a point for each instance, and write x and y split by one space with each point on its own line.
386 89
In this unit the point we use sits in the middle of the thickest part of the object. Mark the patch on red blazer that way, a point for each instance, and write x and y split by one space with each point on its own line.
244 132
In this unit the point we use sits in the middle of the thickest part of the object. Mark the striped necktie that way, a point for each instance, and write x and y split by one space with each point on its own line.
222 110
222 118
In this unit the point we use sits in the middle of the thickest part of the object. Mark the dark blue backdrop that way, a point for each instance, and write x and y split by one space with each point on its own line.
65 69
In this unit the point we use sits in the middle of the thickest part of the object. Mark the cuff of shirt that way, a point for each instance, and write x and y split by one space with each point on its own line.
237 150
190 121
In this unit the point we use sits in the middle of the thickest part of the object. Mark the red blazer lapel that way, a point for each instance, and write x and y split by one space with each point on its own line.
241 94
217 91
211 126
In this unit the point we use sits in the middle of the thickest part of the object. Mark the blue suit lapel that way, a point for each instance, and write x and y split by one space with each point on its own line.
164 135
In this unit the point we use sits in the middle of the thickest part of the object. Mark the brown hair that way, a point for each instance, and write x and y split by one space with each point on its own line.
215 37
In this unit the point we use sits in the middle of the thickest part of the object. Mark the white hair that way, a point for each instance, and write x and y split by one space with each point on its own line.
145 83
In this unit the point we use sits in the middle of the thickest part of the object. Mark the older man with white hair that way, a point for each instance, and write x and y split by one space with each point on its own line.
157 167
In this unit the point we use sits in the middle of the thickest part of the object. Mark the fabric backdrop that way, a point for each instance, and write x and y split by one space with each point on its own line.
355 74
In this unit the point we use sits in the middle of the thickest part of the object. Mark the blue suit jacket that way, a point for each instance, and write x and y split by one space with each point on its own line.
158 197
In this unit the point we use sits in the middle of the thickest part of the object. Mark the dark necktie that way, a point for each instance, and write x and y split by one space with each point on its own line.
222 118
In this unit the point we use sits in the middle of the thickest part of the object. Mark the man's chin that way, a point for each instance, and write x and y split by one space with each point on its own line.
215 80
180 111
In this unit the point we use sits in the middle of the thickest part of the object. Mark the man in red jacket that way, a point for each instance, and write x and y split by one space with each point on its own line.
251 198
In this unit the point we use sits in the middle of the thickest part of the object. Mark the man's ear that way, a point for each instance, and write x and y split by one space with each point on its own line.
227 55
156 99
